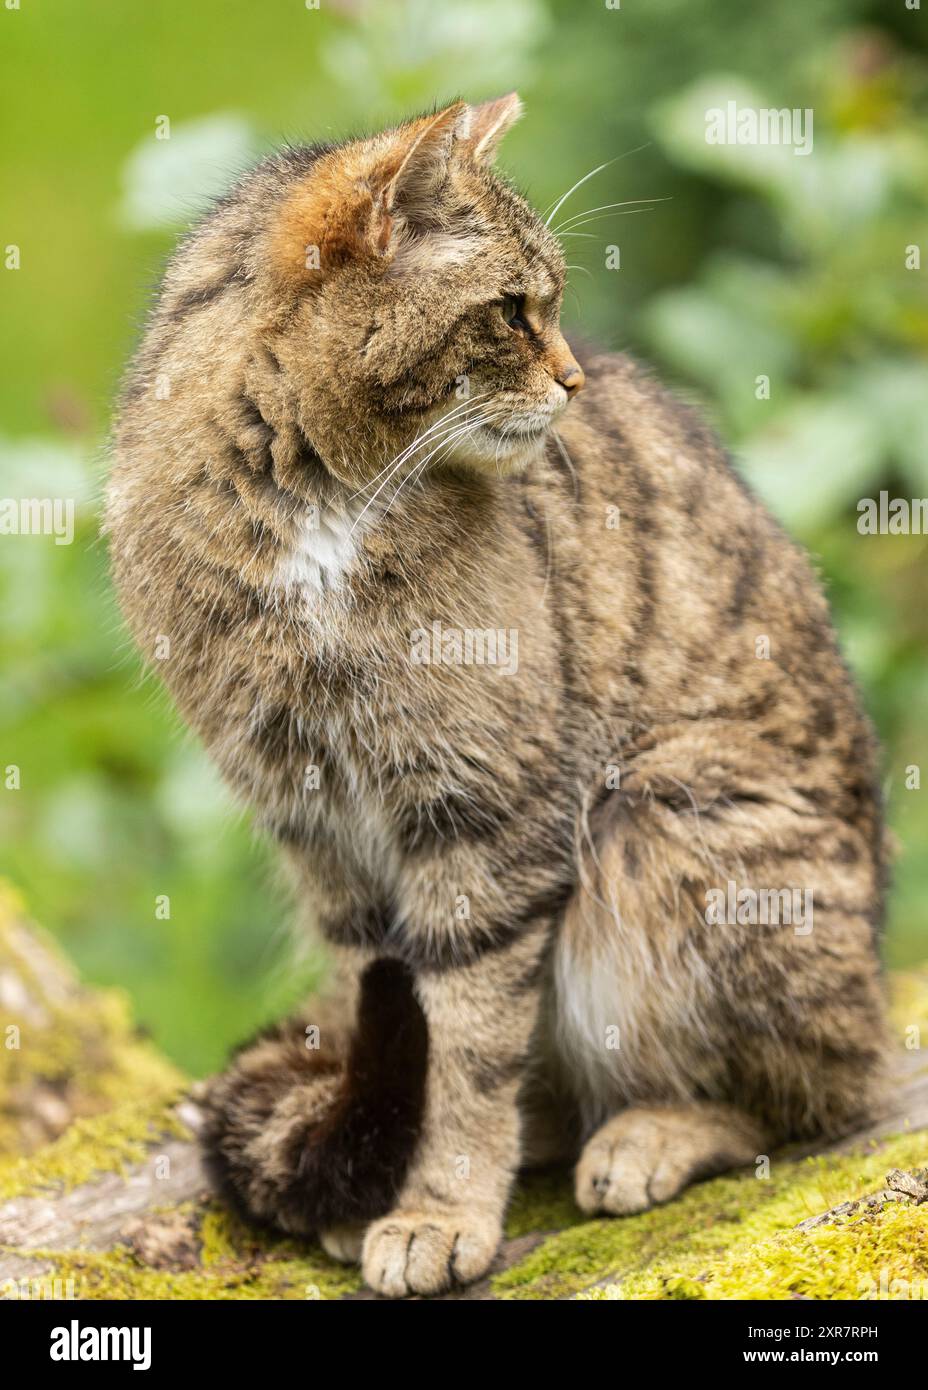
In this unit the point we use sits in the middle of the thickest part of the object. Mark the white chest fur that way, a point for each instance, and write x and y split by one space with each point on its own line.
325 549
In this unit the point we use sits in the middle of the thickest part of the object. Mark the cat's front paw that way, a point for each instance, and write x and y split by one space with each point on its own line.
420 1252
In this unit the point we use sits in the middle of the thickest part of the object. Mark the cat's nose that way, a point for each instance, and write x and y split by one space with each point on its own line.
564 366
571 377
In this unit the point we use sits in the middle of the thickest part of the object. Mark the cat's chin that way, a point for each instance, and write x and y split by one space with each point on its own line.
497 453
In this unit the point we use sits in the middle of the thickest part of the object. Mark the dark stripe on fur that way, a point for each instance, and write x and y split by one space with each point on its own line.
488 1075
205 294
362 927
437 954
451 819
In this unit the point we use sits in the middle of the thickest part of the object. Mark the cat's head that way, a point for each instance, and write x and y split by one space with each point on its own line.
403 287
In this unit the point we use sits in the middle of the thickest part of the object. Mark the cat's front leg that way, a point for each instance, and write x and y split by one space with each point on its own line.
448 1219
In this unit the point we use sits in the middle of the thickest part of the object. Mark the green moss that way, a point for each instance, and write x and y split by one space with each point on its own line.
837 1261
100 1144
734 1237
234 1262
541 1202
81 1042
222 1236
881 1255
118 1274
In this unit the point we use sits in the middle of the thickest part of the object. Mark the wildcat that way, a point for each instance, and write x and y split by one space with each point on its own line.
348 458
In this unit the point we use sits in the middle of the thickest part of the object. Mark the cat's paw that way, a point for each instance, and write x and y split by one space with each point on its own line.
416 1252
625 1168
643 1157
343 1243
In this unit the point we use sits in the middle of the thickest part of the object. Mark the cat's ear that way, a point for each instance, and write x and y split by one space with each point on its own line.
362 198
488 124
414 168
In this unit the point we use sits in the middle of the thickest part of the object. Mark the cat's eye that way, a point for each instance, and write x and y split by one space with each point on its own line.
512 308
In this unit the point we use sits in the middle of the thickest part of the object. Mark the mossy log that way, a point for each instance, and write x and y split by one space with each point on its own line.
102 1194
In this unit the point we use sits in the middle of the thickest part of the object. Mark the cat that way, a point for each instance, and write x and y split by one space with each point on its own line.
356 461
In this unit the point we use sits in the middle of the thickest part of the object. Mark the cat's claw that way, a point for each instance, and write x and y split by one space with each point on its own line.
427 1252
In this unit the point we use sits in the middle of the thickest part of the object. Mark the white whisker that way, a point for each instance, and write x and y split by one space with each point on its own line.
397 464
561 201
579 218
436 424
570 467
441 448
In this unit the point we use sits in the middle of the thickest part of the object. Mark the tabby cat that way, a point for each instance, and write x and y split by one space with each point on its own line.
545 711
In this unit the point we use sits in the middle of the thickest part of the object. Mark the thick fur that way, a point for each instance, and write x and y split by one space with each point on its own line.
511 866
306 1136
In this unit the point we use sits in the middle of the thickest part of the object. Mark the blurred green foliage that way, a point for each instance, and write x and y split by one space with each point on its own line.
757 263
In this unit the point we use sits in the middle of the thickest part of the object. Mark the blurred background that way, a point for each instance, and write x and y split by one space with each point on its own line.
759 263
